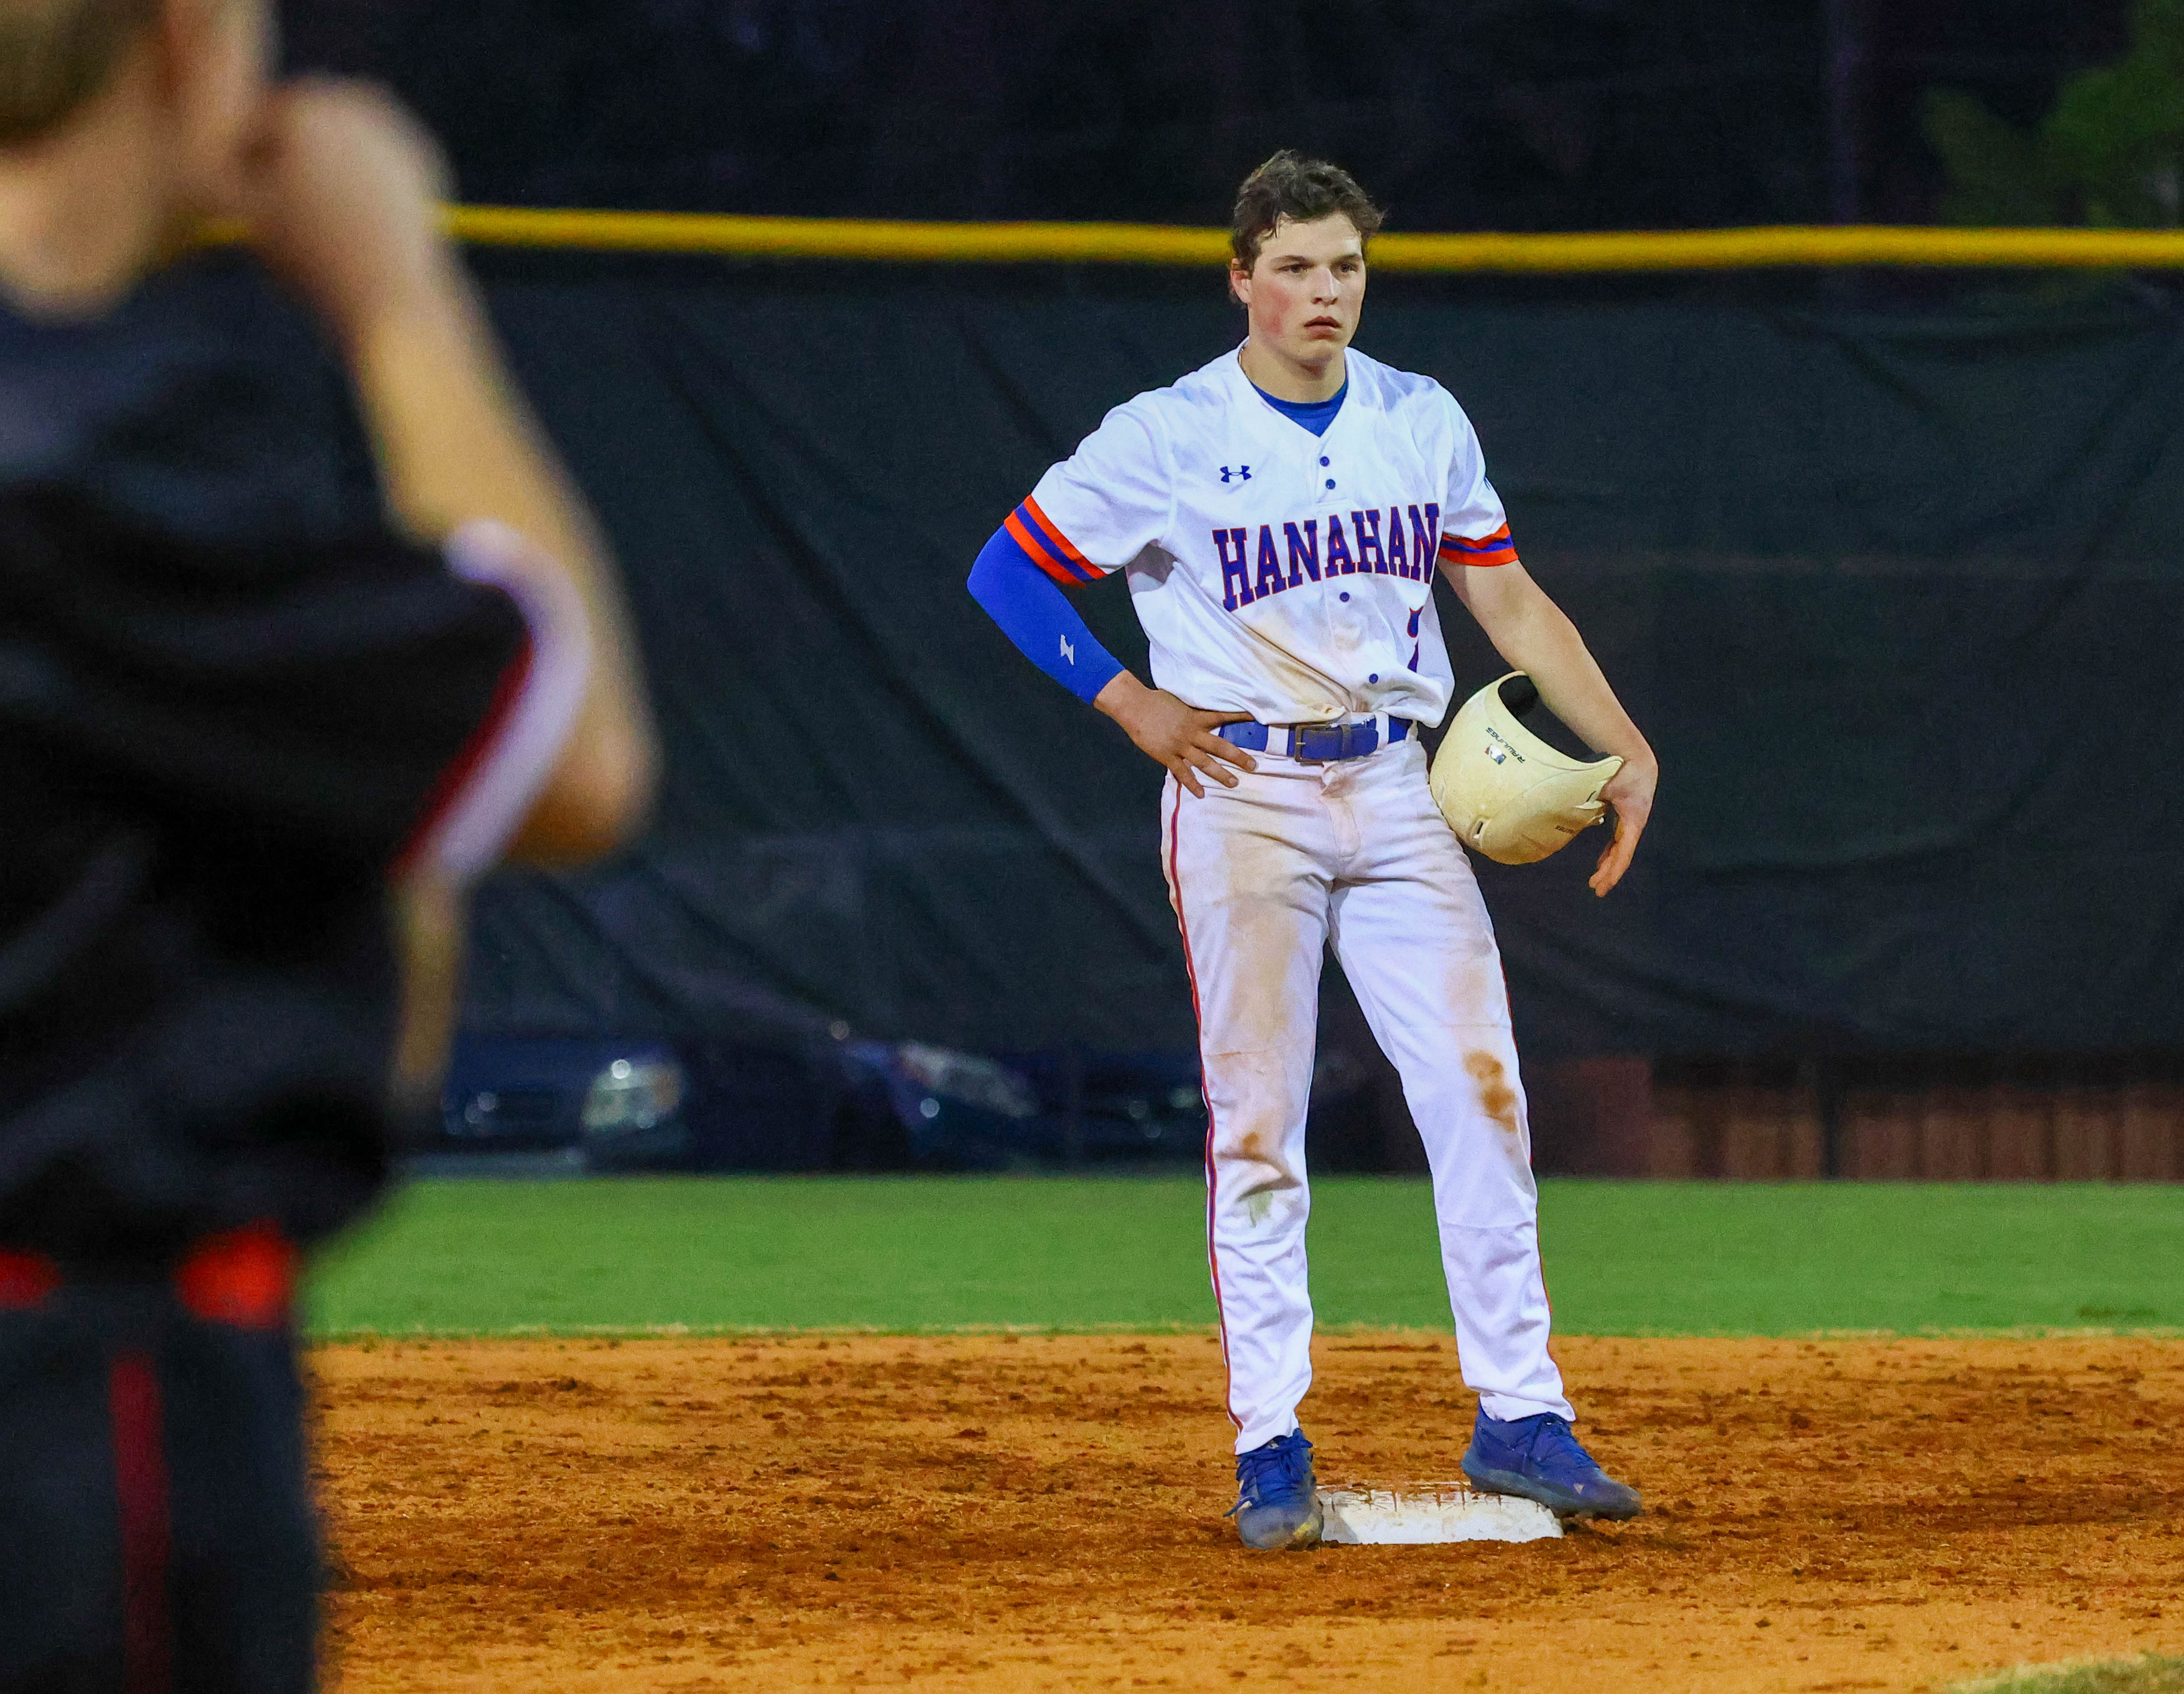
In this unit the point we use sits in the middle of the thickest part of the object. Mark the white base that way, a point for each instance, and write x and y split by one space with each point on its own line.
1423 1513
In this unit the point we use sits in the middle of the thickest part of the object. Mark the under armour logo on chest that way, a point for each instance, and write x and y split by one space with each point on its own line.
1241 474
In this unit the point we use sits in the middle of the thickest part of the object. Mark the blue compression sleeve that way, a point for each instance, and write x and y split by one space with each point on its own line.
1034 613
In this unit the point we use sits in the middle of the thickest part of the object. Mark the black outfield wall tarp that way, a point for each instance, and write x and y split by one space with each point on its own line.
1899 600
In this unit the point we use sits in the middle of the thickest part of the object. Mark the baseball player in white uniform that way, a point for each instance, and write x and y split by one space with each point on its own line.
1281 511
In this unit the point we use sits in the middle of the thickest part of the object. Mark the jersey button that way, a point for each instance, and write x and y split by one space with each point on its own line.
1345 597
1374 677
1327 461
1330 481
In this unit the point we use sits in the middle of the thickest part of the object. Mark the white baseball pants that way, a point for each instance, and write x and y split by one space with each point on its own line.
1264 877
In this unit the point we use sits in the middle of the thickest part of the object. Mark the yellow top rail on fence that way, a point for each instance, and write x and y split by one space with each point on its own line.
895 242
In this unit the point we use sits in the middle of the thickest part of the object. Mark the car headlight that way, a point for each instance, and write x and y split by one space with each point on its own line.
632 1094
943 1074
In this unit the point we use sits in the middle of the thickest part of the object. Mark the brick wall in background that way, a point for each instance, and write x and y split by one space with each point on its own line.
2116 1119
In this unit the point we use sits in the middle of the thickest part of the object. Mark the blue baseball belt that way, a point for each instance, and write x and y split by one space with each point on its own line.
1320 743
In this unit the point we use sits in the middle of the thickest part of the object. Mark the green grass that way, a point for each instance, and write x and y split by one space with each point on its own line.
472 1257
2154 1674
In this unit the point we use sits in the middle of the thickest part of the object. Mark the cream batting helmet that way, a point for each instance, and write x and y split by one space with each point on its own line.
1506 792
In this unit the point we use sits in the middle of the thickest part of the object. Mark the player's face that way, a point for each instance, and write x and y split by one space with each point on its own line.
1304 294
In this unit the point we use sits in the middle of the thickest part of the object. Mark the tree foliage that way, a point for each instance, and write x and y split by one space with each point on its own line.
2111 153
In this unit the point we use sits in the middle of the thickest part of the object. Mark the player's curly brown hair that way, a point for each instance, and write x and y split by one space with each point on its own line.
55 54
1291 186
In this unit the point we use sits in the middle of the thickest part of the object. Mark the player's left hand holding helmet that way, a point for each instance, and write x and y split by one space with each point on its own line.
1506 793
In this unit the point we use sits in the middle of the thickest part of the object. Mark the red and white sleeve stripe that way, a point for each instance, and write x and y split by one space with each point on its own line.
484 794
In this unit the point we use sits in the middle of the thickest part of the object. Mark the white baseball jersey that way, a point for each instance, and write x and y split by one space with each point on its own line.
1289 575
1278 572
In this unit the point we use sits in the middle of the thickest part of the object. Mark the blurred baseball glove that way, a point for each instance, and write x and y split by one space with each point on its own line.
1504 791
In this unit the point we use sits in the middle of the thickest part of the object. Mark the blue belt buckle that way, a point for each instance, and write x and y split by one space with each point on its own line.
1325 743
1320 743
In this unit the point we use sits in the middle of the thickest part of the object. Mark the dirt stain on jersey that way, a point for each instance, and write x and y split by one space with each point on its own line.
1496 1097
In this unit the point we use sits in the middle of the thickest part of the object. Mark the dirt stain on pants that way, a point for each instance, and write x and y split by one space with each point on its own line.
1496 1098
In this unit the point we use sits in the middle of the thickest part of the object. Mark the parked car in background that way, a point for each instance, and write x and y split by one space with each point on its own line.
910 1104
546 1104
558 1103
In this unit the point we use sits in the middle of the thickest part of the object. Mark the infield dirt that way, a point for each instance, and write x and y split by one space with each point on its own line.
996 1512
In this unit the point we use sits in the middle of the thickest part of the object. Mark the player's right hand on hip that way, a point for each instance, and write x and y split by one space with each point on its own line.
1176 737
343 200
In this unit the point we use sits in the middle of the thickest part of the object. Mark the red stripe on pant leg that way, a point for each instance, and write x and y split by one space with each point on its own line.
1539 1252
1205 1093
139 1476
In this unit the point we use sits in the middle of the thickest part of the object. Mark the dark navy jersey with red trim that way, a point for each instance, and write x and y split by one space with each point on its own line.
228 697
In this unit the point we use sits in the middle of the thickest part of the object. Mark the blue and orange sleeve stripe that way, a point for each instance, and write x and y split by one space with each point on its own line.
1487 549
1049 549
1019 594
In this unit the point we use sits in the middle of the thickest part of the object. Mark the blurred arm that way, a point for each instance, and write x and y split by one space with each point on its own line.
347 206
428 914
454 446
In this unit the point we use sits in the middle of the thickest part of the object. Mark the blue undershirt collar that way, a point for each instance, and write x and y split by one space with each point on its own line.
1314 414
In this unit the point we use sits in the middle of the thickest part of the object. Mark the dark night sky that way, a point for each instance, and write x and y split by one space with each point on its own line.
1460 114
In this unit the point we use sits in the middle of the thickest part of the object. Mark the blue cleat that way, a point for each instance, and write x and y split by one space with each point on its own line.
1277 1502
1539 1457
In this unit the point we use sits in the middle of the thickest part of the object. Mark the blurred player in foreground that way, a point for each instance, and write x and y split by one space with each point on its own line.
1281 513
248 768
